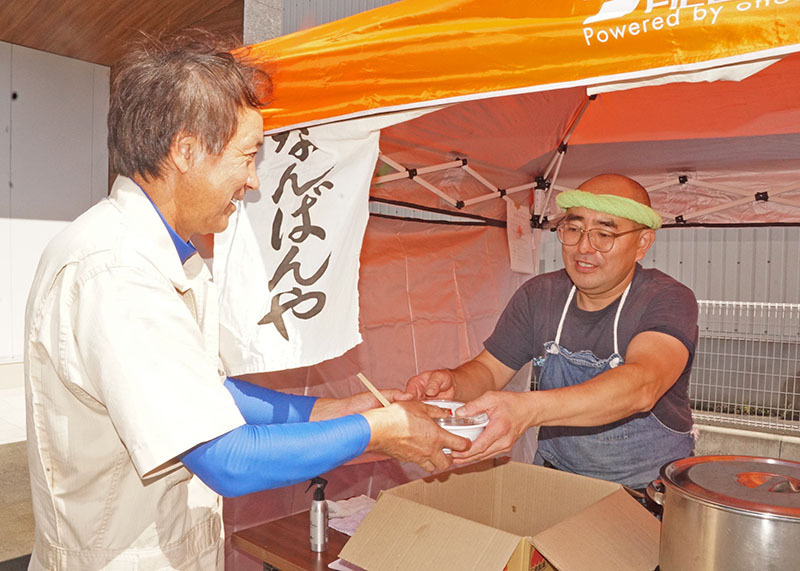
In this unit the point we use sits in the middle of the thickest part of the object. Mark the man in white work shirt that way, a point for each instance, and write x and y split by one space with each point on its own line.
134 430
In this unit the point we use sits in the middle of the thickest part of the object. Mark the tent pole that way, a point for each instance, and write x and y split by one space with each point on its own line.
419 171
546 200
718 208
558 156
423 183
562 146
659 186
526 186
392 163
480 179
773 194
550 164
577 119
485 197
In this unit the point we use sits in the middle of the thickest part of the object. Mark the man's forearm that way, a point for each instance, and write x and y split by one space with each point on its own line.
611 396
327 408
654 361
474 378
260 405
257 457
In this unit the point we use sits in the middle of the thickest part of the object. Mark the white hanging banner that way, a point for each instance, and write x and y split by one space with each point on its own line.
287 265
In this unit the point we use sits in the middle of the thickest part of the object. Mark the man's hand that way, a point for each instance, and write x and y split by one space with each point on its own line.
509 419
466 382
406 431
436 384
327 408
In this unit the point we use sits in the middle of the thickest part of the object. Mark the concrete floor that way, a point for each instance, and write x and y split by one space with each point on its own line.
17 564
16 517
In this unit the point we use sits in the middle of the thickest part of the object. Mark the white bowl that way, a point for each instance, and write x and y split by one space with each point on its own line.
468 426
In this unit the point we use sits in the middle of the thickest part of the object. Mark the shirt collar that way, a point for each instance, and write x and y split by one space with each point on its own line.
185 248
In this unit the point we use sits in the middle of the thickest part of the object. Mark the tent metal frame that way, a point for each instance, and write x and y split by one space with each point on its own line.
547 183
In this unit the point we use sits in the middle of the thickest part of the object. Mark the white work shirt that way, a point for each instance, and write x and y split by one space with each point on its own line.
122 375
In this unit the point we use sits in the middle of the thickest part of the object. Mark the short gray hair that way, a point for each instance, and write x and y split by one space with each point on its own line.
191 84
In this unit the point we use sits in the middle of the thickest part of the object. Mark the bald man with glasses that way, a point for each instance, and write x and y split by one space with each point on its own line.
611 342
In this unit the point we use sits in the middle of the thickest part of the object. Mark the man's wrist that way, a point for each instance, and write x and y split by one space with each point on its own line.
454 385
324 409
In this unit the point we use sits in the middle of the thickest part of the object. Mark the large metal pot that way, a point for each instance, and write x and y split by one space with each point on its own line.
724 513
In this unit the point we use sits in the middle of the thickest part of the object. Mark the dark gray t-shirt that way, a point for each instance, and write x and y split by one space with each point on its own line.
656 302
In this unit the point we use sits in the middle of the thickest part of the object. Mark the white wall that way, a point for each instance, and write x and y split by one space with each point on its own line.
302 14
262 20
53 165
12 403
6 323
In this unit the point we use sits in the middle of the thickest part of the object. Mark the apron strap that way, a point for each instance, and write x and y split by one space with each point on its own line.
616 318
564 315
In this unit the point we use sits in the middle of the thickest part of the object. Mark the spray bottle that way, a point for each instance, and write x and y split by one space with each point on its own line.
319 516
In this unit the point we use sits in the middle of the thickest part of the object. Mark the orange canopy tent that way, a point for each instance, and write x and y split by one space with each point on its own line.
521 72
713 132
416 53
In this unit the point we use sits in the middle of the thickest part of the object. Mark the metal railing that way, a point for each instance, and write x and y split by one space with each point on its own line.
747 365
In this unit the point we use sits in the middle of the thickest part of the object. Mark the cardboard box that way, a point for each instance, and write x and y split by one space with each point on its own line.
513 516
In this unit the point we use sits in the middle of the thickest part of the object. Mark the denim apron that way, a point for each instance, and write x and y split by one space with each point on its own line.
629 451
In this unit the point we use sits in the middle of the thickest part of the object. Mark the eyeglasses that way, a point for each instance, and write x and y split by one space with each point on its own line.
599 239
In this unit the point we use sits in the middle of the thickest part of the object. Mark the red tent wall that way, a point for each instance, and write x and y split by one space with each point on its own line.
421 308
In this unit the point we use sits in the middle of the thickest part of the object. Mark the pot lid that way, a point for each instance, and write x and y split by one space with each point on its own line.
749 483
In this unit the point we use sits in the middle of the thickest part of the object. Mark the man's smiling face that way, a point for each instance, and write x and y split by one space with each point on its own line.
600 274
205 201
601 277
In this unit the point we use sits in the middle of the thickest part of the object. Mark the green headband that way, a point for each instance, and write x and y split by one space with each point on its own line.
611 204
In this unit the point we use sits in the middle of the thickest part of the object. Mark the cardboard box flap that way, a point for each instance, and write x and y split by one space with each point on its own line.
613 534
467 492
530 499
401 534
507 495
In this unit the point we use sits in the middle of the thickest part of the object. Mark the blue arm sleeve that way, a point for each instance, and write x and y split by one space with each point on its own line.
260 405
257 457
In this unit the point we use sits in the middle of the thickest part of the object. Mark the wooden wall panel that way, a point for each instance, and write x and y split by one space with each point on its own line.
98 31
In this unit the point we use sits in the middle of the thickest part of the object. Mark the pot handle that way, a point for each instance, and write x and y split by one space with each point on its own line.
655 491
